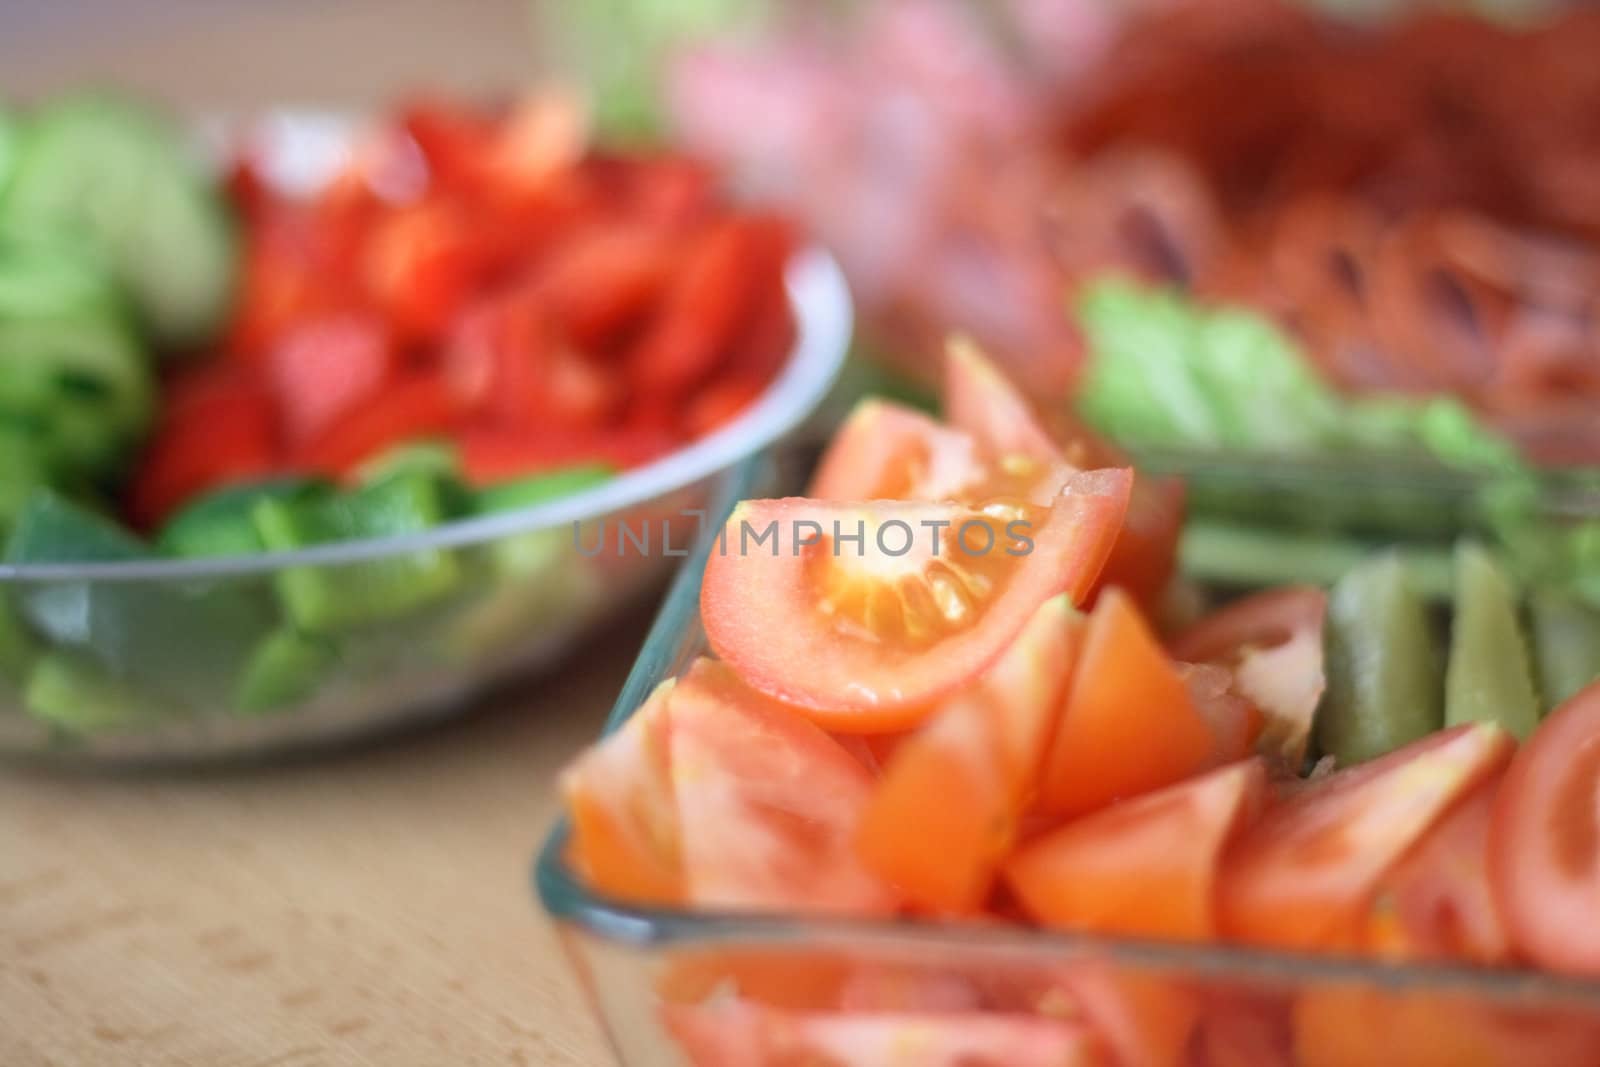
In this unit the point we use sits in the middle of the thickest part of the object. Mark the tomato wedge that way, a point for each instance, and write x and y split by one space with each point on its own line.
888 452
866 634
1129 725
1436 903
984 745
742 1035
1305 876
1272 642
1346 1026
1544 840
1234 721
767 803
624 818
980 400
1145 867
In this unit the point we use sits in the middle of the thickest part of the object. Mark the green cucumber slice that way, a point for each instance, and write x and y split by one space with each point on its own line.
117 176
1489 677
1566 645
1384 676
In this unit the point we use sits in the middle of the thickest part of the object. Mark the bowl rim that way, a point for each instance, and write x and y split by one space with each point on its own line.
824 319
676 635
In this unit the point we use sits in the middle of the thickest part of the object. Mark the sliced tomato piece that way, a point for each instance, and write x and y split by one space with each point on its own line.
1272 644
743 1035
1146 554
1234 721
981 401
1436 903
984 745
414 405
792 978
1129 725
1347 1026
885 451
1145 867
1305 876
1241 1029
1141 1017
1144 1018
325 367
768 804
1544 840
866 634
624 819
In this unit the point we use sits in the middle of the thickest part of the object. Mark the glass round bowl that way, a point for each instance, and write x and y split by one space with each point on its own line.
165 661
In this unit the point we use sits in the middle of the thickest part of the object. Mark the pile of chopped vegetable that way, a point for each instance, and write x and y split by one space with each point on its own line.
982 722
480 291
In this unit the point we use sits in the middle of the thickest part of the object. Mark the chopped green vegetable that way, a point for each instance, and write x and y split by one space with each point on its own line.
23 468
222 523
330 598
109 173
1165 371
439 458
1566 645
78 696
287 669
72 371
18 647
1140 384
1384 676
1489 677
185 641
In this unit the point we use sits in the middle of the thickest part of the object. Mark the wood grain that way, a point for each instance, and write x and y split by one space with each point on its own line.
367 908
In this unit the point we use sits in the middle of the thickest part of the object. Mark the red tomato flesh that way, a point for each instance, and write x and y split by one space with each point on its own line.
983 745
1306 875
1544 840
1145 867
768 804
867 636
1129 725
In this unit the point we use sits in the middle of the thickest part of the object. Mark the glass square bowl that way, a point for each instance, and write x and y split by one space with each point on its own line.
661 981
166 661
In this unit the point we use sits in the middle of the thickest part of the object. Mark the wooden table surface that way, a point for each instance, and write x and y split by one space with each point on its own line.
362 909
